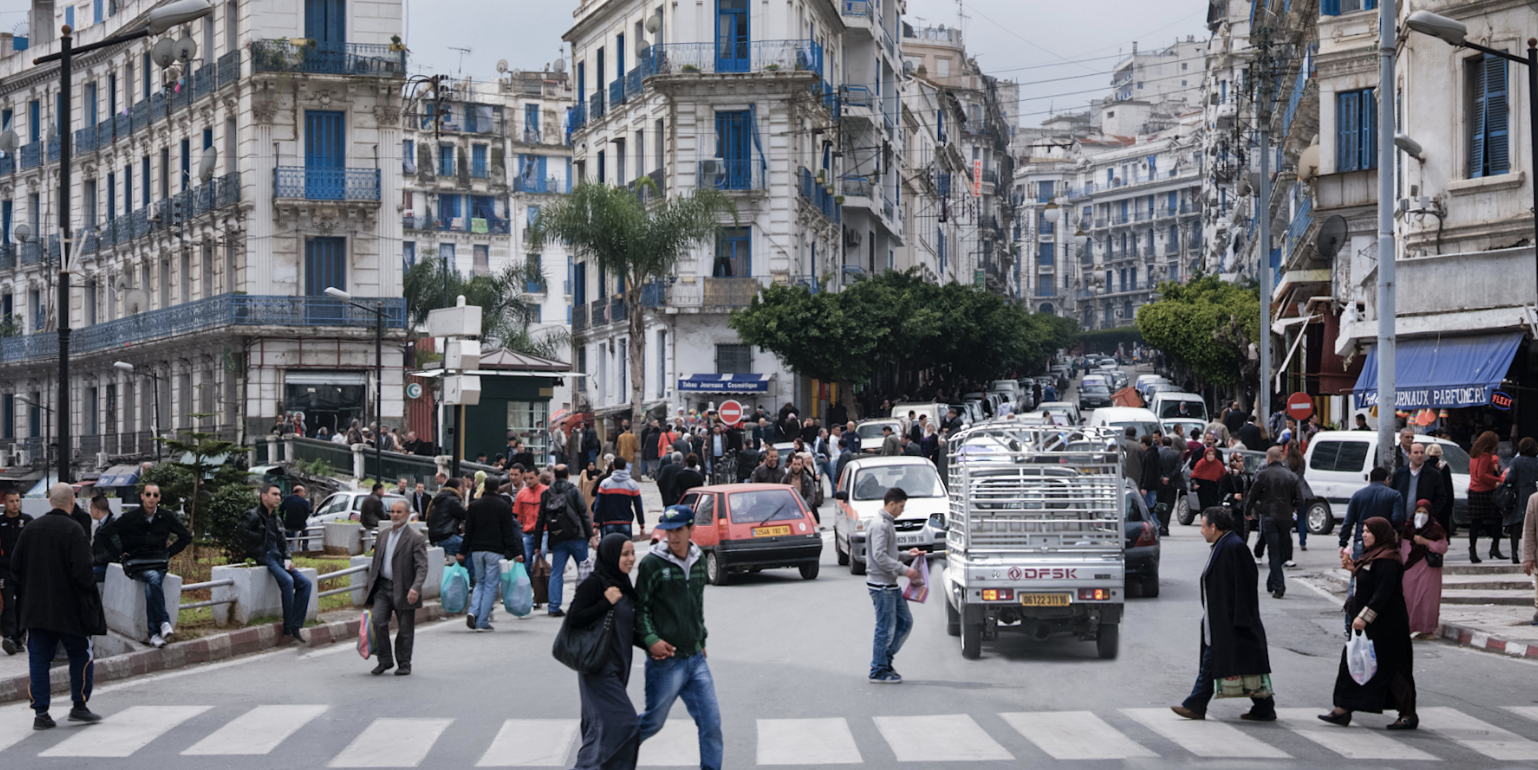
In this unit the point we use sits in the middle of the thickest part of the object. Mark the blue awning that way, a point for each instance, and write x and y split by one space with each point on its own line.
119 476
1441 373
724 383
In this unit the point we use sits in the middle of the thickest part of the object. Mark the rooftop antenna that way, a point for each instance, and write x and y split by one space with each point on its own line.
462 52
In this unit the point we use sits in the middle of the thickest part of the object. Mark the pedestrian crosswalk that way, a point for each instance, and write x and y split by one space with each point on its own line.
1139 734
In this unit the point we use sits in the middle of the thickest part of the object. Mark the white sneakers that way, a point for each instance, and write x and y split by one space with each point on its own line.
157 642
166 631
1289 563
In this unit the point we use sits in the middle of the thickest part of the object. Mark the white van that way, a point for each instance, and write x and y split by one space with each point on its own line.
1338 462
1119 418
1171 405
935 412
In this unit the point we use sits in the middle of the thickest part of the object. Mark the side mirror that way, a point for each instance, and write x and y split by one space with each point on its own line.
841 495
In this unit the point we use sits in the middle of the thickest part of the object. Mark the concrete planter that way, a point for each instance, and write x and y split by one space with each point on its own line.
254 593
122 598
343 538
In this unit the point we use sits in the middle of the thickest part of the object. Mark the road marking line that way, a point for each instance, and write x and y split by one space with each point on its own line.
806 742
1349 742
1075 735
121 734
1531 712
1482 737
532 743
677 744
13 728
939 738
392 743
1205 738
257 731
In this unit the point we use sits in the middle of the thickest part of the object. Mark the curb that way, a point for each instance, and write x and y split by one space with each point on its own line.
1485 641
206 649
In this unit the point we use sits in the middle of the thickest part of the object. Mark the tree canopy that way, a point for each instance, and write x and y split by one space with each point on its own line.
506 308
1208 326
961 333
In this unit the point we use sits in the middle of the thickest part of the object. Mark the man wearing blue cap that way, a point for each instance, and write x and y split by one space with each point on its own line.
670 620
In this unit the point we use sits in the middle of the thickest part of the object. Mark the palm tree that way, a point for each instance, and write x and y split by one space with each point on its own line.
637 242
506 309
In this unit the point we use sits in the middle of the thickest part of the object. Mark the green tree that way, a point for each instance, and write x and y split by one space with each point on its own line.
507 310
1209 326
638 243
205 459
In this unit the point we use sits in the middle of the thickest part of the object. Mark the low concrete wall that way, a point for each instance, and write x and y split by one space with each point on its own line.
122 598
343 538
430 587
253 594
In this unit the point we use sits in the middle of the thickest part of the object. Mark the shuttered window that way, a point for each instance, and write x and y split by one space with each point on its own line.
1489 141
1356 127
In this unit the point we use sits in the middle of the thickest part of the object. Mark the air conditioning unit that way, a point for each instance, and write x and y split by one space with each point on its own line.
5 458
23 457
713 167
101 460
851 237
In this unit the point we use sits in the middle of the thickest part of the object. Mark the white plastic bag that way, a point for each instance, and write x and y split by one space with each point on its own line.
1361 658
585 568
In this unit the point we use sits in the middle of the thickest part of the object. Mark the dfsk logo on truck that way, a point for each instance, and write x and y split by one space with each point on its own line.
1053 573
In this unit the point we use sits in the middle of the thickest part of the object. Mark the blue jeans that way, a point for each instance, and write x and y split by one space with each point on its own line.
154 599
292 586
42 644
450 545
893 622
623 529
1202 690
1302 526
1151 497
689 678
577 550
100 573
488 566
529 546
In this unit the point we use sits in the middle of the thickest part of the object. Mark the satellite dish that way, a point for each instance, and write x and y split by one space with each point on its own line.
164 52
120 284
23 233
185 49
501 66
136 301
560 65
1332 236
642 49
206 165
654 23
907 68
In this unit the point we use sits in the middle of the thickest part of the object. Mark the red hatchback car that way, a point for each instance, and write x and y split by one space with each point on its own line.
750 527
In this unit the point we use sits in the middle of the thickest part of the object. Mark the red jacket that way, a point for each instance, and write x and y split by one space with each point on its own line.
526 506
1484 472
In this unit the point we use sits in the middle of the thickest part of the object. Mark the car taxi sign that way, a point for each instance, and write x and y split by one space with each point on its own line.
1300 406
730 412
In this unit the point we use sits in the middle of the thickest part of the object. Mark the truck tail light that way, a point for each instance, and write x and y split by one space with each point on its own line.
998 594
1147 536
1094 594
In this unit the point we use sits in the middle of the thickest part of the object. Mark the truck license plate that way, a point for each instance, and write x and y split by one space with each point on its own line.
773 532
1044 600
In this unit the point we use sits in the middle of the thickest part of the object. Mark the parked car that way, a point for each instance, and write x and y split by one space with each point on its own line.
753 527
1185 509
1183 426
1142 545
1174 404
859 492
871 436
1119 418
934 411
345 506
1063 412
1094 393
1337 466
1143 379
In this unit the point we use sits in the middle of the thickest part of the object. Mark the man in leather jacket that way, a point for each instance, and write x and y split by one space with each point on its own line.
446 517
266 542
1273 501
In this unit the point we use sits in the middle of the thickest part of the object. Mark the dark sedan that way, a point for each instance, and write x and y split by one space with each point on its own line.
1093 394
1142 546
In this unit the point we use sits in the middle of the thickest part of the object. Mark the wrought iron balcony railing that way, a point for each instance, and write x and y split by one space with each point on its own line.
327 184
328 58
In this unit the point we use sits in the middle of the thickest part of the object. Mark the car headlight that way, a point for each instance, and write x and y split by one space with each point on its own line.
859 525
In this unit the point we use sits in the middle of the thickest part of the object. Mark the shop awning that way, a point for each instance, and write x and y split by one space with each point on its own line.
724 383
119 476
1441 373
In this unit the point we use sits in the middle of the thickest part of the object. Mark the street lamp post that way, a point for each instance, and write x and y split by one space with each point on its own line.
1453 32
160 19
379 317
154 394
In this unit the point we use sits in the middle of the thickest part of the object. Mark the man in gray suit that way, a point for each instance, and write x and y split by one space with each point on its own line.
395 580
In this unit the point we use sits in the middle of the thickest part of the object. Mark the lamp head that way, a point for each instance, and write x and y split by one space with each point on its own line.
177 12
335 293
1410 146
124 365
1436 25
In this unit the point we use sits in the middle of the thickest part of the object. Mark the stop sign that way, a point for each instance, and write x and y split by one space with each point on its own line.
1300 406
730 412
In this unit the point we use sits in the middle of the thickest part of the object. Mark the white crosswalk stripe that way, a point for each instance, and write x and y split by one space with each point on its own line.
1531 712
677 744
257 731
1075 735
1205 738
532 743
13 730
1355 742
392 743
125 732
806 742
940 738
1482 737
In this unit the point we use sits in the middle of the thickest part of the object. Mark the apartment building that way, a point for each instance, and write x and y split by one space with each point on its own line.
212 204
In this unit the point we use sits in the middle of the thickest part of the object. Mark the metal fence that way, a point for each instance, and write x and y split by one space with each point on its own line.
730 57
328 58
326 184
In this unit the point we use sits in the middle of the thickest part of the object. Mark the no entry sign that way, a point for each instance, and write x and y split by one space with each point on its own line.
730 412
1300 406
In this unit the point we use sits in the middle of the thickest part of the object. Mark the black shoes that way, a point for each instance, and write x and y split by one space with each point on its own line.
470 621
558 613
1342 718
382 666
1474 557
1258 716
82 714
1406 723
404 670
42 721
1188 713
11 646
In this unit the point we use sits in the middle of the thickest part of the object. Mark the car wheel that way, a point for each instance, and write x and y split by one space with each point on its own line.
1150 586
952 619
1108 640
715 571
1183 512
809 571
971 640
843 555
1320 520
856 566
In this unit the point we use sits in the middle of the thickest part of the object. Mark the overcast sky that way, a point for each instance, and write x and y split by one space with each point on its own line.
1031 41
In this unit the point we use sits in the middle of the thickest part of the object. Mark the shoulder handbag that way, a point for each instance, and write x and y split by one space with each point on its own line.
583 650
137 565
1433 560
1505 495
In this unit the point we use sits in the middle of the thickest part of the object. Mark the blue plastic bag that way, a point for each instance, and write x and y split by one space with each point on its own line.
455 589
517 590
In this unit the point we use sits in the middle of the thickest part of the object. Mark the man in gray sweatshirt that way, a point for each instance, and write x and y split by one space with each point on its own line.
885 565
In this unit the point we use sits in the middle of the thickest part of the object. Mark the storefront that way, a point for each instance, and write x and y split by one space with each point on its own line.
328 399
1463 385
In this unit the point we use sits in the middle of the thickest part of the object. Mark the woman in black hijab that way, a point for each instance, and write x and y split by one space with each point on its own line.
1377 607
611 730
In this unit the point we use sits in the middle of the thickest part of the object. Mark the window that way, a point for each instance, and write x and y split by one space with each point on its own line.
733 36
1488 133
111 196
88 194
734 147
943 67
446 253
408 254
1338 7
325 265
526 419
478 161
1356 120
408 156
734 359
481 259
186 163
1046 254
734 253
8 427
445 160
144 177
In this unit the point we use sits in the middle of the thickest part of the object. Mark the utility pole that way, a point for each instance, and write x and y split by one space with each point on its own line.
1263 213
1387 18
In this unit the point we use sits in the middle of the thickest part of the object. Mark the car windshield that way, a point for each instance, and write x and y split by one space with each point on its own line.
872 430
762 505
1142 428
1193 409
1095 386
1456 458
916 480
357 502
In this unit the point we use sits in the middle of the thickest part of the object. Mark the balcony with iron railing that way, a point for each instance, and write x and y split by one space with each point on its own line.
812 283
732 175
214 195
655 190
815 192
1142 215
855 8
326 184
714 292
546 186
578 317
319 58
654 294
758 56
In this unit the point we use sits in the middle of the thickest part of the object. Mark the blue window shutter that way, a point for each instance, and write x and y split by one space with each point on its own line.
753 128
1346 117
1477 124
69 16
544 170
1497 154
1329 7
1369 131
1368 5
